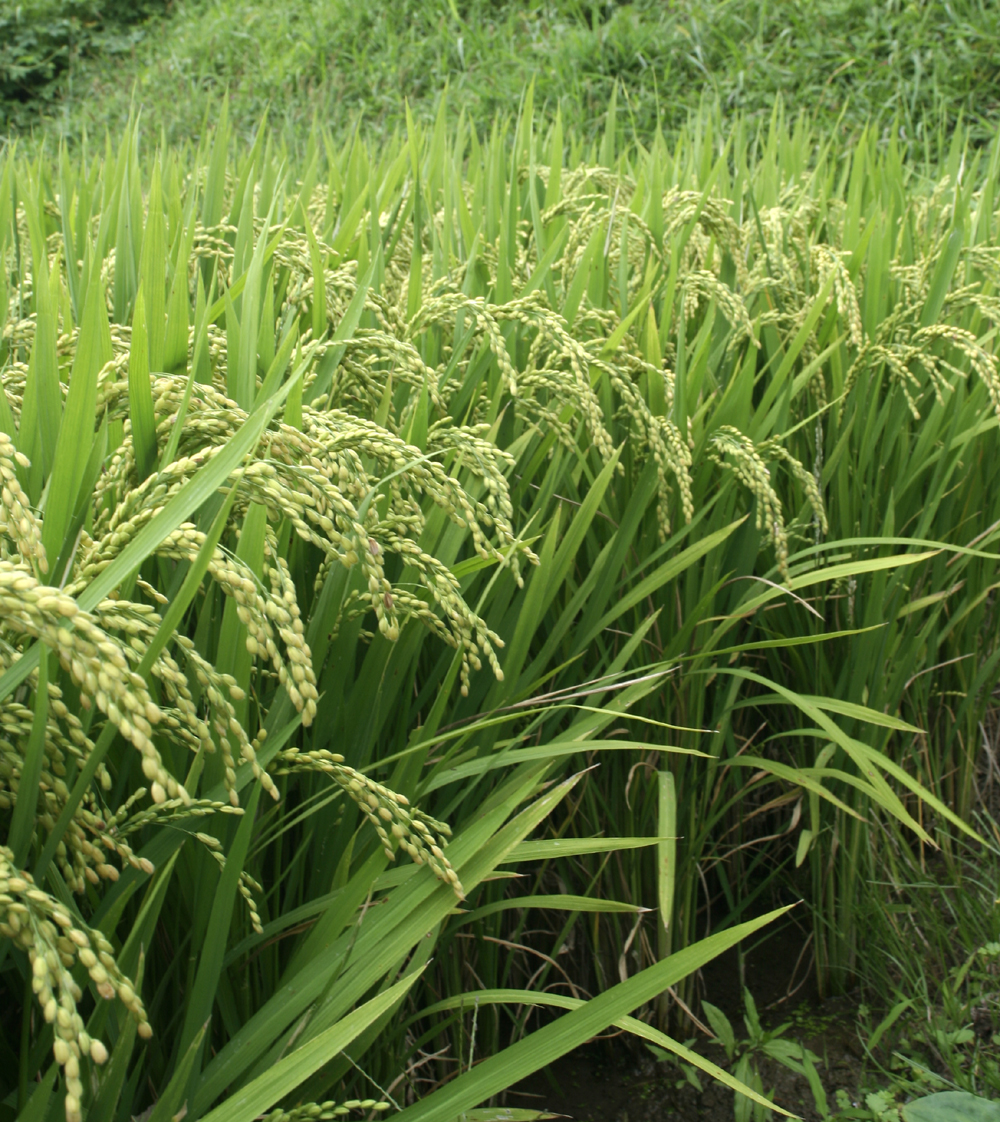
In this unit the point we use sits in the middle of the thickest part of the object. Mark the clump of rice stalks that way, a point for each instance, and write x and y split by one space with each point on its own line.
308 477
55 943
350 490
259 437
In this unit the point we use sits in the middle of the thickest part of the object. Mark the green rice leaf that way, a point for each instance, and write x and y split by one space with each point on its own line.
253 1099
152 272
171 1100
212 950
629 1024
76 433
545 1045
140 392
573 847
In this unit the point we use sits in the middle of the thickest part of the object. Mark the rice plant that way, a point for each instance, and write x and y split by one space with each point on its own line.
354 513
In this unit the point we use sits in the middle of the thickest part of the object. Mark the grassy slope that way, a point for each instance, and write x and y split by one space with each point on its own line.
843 60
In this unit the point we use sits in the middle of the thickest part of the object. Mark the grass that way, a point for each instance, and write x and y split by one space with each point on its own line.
915 68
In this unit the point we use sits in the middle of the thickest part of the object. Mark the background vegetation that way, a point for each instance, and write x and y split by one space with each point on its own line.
915 67
621 508
45 41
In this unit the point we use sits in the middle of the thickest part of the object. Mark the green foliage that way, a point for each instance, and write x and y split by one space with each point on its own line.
952 1106
934 982
942 1106
42 39
762 1043
403 487
240 601
945 1033
918 68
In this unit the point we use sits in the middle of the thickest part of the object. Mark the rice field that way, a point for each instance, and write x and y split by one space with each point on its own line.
454 586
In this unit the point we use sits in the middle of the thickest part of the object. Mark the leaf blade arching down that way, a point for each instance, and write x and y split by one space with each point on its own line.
629 1024
548 1043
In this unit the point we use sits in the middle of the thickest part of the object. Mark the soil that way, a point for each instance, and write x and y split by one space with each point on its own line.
619 1079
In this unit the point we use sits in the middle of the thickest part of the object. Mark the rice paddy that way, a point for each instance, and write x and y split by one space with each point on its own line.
456 583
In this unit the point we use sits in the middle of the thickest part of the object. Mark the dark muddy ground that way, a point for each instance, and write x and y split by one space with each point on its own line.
614 1081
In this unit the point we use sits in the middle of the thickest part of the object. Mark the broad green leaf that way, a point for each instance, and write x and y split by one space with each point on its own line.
37 1107
212 951
172 1100
721 1026
215 184
859 713
952 1106
506 1113
942 277
573 847
149 913
565 902
201 369
666 572
89 473
319 285
581 278
175 342
42 409
344 332
888 1021
104 1106
779 381
234 347
666 857
153 271
555 750
544 266
126 236
249 325
277 368
233 657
